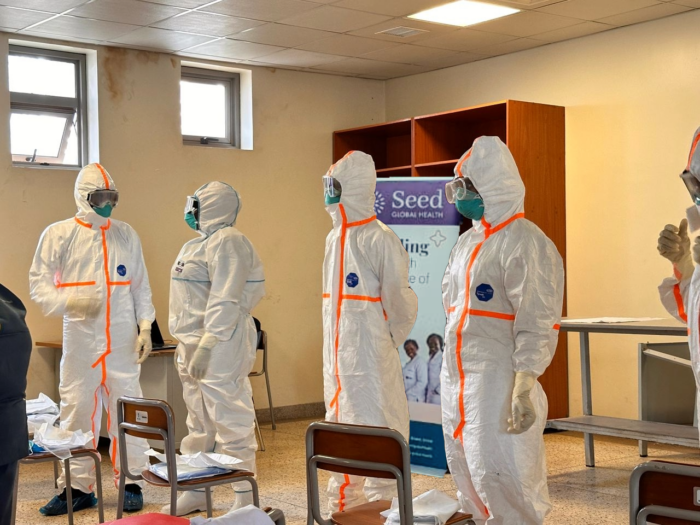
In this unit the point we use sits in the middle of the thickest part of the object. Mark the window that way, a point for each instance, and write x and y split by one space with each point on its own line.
47 107
209 107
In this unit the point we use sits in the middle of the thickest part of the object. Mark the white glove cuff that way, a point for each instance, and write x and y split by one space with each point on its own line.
145 325
207 342
524 383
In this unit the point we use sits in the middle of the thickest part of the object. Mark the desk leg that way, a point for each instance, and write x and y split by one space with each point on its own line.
586 395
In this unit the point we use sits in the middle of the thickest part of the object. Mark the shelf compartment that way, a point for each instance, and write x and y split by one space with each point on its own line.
443 168
444 136
389 144
399 171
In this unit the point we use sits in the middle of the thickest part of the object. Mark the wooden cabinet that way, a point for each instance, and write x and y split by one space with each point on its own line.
431 145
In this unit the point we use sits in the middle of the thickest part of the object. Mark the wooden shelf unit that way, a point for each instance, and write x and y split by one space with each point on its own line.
430 146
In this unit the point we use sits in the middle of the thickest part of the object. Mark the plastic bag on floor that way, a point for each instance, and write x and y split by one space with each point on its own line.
41 405
250 515
432 507
60 442
194 466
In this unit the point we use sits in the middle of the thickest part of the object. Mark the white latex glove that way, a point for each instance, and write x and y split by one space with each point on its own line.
143 341
200 359
522 410
696 250
85 307
674 245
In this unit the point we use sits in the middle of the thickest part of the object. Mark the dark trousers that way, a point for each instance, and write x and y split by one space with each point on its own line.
8 473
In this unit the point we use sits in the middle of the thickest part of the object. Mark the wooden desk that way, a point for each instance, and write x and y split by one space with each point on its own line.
159 380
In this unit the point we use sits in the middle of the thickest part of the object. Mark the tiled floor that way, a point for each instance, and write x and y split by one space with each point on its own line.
580 495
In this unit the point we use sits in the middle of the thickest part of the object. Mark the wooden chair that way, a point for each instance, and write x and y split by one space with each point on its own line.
153 419
374 452
44 457
665 493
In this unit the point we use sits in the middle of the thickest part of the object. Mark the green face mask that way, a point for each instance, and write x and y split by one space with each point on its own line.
332 200
191 221
471 206
105 211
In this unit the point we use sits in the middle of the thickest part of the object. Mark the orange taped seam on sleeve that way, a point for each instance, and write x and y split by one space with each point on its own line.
692 150
335 402
494 315
363 298
451 309
119 283
677 273
68 285
679 302
326 296
83 223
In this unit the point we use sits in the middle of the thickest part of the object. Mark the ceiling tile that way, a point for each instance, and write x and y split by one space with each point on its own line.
526 23
226 48
299 58
689 3
52 6
645 14
268 10
360 66
188 4
510 47
525 4
567 33
13 18
408 54
208 23
65 38
595 9
126 11
335 19
85 28
347 45
281 35
390 7
161 39
466 40
431 30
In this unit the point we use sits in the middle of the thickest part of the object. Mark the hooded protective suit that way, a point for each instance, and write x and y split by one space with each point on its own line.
99 260
502 293
680 294
216 281
368 311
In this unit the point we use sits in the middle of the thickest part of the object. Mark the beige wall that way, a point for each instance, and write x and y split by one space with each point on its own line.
279 181
632 99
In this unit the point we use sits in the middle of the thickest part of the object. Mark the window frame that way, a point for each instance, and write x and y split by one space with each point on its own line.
55 106
233 101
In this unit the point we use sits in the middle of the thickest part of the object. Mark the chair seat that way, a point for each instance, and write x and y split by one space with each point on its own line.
46 456
151 519
150 477
368 514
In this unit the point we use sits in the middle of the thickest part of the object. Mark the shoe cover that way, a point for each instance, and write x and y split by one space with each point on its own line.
190 501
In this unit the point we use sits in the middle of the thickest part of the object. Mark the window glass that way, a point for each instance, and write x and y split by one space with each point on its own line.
203 108
43 133
41 76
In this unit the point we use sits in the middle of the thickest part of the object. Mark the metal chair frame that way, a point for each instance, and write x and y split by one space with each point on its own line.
69 492
262 345
639 516
168 438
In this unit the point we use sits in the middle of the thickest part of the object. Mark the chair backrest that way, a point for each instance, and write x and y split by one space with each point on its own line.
665 493
376 452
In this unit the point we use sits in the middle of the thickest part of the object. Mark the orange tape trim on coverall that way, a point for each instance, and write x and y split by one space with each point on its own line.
67 285
341 503
692 150
83 223
104 175
465 313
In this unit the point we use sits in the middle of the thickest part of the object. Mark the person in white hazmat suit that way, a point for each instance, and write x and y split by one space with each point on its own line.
368 311
680 294
502 294
90 270
217 279
415 373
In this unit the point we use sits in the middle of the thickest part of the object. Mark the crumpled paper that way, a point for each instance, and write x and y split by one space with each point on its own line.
432 507
250 515
191 466
41 405
35 421
60 442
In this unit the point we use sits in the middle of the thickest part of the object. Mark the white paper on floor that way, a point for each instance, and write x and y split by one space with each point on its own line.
191 466
60 442
432 507
250 515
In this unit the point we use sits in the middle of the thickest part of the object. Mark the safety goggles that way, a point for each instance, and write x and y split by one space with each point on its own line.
331 187
100 198
457 189
192 205
692 184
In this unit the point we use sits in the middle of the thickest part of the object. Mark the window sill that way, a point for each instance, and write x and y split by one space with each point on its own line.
210 145
49 167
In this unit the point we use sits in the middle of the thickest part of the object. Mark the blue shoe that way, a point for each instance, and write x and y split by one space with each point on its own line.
58 505
133 498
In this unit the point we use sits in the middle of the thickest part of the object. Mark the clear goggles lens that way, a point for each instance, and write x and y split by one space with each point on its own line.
455 190
331 187
192 204
693 185
100 198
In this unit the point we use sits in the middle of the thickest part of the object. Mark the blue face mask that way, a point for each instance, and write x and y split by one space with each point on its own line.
105 211
191 221
471 206
332 200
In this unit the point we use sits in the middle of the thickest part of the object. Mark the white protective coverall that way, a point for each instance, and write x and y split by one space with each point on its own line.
434 367
216 281
680 294
502 293
415 379
368 312
91 257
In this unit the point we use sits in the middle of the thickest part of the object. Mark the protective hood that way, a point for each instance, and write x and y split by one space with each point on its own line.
694 156
219 205
491 168
92 177
356 173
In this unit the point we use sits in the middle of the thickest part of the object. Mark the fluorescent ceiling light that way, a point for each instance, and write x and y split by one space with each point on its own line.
464 13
